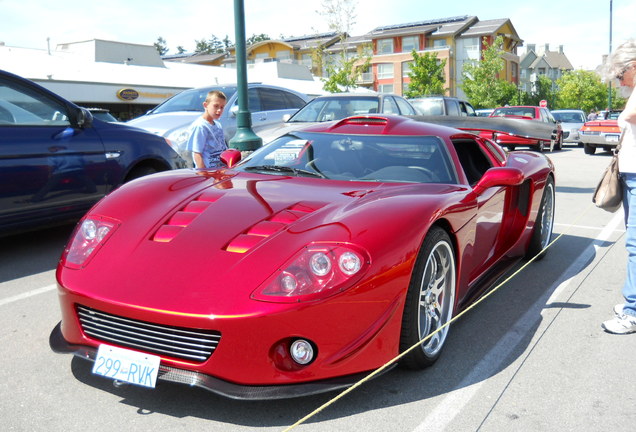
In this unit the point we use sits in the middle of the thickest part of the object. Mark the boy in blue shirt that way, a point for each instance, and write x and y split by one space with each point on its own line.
206 139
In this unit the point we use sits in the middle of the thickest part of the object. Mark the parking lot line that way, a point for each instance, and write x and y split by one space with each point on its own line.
27 294
454 403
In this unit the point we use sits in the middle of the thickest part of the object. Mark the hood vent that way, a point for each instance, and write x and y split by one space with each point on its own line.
264 229
184 217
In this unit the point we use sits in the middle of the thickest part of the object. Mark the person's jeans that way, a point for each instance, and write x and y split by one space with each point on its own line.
629 205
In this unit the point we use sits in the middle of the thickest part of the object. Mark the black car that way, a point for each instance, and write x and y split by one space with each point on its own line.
56 160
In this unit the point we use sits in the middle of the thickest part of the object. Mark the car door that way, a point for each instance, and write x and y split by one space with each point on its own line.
48 165
488 242
270 105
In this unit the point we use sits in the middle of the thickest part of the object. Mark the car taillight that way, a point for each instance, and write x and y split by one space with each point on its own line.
317 271
89 236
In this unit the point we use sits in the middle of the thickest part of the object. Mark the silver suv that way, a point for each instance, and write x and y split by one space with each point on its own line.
267 104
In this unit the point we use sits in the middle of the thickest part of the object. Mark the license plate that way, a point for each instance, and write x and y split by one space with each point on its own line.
125 365
612 138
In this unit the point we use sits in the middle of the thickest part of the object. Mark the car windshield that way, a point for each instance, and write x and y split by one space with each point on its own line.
374 158
335 108
428 106
569 117
191 100
514 111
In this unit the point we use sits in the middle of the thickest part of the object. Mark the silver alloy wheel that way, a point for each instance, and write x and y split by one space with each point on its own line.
437 297
547 215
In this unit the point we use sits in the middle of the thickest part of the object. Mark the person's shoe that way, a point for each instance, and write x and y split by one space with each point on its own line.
618 309
620 324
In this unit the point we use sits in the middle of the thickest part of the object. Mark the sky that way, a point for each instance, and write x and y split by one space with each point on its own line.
581 26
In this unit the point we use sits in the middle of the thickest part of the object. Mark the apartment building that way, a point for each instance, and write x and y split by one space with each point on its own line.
456 39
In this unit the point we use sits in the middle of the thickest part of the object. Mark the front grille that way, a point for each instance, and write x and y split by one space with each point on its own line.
179 342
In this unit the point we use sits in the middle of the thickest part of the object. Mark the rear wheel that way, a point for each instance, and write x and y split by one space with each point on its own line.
430 301
542 232
589 149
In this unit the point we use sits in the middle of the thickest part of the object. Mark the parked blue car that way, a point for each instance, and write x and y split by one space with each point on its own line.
56 160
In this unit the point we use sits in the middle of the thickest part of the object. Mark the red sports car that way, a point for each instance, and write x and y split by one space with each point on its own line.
317 259
538 114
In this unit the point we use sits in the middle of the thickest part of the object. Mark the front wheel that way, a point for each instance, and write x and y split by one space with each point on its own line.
542 231
430 301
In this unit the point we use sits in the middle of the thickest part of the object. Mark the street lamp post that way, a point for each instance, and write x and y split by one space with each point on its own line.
245 139
609 92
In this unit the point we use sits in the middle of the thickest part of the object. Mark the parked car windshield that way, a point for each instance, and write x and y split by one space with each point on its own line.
191 100
569 117
326 109
381 158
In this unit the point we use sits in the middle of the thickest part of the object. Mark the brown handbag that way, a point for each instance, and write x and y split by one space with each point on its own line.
609 191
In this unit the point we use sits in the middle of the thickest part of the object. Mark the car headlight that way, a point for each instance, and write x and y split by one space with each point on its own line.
89 236
179 139
317 271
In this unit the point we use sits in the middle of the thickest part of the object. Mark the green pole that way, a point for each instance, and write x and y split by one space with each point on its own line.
245 139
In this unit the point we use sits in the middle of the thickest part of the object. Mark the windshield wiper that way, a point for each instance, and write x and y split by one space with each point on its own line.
284 169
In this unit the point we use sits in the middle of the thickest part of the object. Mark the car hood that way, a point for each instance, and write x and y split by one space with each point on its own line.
203 243
164 123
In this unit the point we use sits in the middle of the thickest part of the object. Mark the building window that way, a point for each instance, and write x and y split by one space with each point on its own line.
439 43
541 71
283 55
410 43
406 69
385 88
385 71
385 46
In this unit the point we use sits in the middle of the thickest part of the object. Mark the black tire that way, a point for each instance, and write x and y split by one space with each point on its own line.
430 300
512 148
540 147
140 171
589 149
542 231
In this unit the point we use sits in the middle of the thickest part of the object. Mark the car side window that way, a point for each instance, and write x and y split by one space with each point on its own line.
471 157
20 105
253 100
405 107
467 109
452 107
273 99
293 101
390 107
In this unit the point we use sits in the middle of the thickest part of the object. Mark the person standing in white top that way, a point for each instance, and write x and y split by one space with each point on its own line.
206 140
622 67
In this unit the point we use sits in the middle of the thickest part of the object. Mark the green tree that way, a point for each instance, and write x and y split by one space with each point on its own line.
210 46
342 68
343 74
180 49
481 82
161 46
582 90
256 38
543 90
427 75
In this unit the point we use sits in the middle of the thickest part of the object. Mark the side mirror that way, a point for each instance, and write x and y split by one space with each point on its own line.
498 176
234 111
231 157
84 118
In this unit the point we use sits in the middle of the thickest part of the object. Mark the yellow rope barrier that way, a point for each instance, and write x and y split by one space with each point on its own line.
455 318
